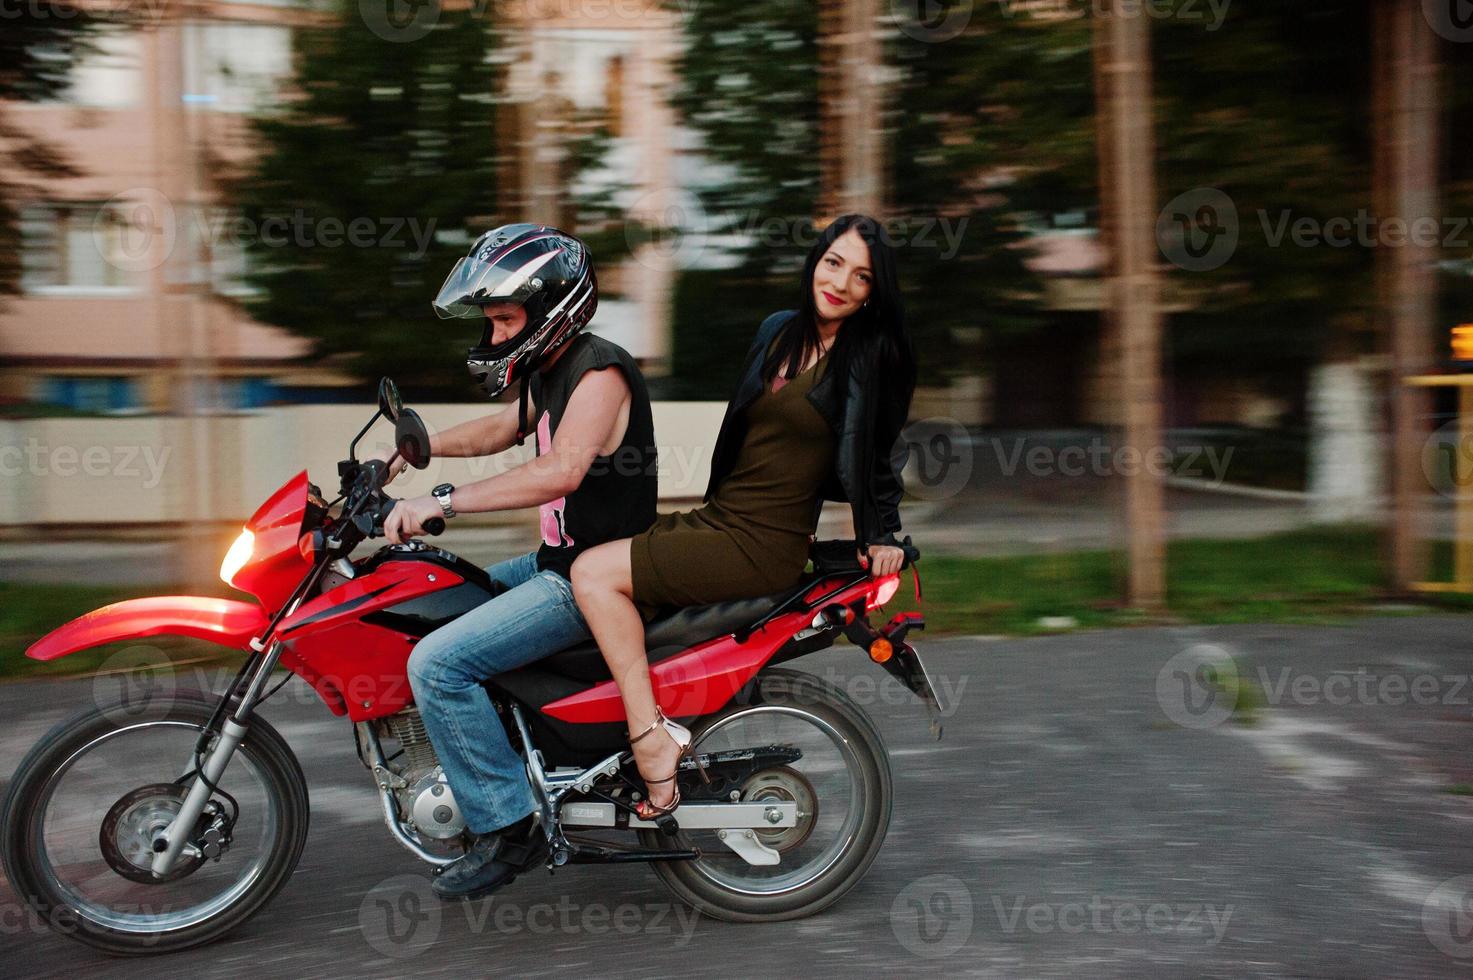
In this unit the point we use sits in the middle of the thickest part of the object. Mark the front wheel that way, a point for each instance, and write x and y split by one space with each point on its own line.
89 800
840 783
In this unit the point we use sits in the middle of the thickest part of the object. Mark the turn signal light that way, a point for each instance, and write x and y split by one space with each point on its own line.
881 650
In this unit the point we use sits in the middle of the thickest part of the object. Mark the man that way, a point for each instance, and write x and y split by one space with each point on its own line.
593 478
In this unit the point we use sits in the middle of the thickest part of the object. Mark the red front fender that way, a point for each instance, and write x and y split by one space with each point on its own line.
228 622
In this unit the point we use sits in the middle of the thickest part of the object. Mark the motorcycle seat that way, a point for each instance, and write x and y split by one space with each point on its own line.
669 633
677 630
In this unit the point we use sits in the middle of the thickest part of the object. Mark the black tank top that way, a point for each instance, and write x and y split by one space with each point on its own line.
617 496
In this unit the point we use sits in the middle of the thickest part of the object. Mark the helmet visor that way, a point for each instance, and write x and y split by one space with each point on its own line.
474 282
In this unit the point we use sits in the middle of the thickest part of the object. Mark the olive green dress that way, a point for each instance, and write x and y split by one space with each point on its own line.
751 537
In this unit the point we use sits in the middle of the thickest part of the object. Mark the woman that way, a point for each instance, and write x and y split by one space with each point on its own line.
823 396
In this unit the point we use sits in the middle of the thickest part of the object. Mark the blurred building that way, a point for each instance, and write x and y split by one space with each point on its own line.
114 298
127 286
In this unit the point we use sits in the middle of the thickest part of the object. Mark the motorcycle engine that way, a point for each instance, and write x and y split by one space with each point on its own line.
426 801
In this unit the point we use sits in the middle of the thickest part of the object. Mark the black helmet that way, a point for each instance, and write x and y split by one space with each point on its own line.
546 272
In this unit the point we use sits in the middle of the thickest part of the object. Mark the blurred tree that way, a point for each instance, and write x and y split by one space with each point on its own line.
40 43
402 135
749 85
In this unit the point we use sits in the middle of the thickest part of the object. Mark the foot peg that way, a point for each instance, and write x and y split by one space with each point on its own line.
668 825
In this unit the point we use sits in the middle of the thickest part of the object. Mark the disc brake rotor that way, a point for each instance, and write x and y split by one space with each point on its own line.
781 784
130 827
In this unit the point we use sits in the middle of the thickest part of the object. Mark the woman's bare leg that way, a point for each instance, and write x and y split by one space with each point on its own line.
604 587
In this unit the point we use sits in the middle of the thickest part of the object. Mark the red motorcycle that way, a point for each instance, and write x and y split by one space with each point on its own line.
124 830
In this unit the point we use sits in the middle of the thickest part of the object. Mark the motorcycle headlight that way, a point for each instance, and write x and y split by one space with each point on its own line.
236 557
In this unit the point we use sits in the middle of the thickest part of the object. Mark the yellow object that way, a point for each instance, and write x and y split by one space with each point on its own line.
1462 471
1462 342
881 650
236 557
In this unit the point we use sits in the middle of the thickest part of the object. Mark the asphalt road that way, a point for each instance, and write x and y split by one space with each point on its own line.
1092 811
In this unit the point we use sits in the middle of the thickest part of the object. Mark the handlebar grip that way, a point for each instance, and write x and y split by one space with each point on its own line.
435 525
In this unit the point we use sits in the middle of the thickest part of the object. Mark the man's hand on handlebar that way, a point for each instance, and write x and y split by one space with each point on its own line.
407 519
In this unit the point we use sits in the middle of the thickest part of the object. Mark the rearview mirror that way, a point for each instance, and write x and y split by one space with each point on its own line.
412 438
389 402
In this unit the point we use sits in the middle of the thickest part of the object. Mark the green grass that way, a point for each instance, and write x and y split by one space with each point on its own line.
28 612
1314 576
1317 576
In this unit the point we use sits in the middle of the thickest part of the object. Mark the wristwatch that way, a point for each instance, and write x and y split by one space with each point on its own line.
442 494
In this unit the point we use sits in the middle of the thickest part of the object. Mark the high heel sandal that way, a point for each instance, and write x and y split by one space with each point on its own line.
646 809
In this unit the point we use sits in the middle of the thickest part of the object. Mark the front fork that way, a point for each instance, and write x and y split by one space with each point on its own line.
172 842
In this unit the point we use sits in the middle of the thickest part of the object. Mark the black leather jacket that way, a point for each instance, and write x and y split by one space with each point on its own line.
866 415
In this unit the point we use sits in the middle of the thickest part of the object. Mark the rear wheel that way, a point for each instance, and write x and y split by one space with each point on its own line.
89 800
842 788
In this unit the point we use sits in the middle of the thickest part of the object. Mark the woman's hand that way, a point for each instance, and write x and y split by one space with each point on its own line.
883 560
395 468
407 519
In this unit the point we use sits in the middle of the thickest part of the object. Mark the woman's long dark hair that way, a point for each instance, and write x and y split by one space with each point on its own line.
883 316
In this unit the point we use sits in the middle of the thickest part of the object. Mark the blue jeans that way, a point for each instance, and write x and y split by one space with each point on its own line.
535 618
